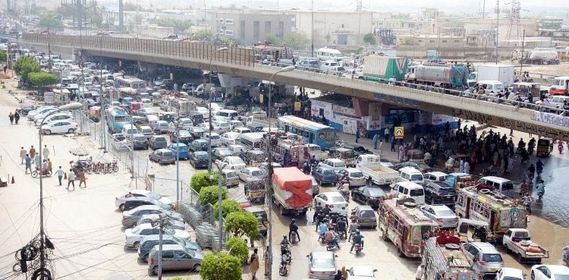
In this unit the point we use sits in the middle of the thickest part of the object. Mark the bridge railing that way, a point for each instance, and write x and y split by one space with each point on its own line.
181 49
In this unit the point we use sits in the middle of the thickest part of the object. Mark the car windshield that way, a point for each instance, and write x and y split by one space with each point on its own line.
339 164
416 192
231 174
168 153
367 214
561 276
328 172
153 195
322 263
257 173
337 199
417 177
507 186
356 174
235 161
201 155
444 212
492 258
514 278
375 192
447 191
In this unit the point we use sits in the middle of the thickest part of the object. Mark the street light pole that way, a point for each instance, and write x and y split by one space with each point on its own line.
268 191
178 157
210 100
70 106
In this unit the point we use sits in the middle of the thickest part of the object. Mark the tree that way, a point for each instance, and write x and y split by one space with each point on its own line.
370 39
228 206
295 40
242 223
238 248
25 65
210 194
50 20
274 40
203 179
42 79
202 35
2 55
180 26
217 266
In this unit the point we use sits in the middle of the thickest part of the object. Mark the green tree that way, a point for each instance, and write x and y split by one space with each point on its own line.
242 223
50 20
238 248
295 40
217 266
42 79
227 205
203 179
202 35
2 55
370 39
180 26
210 194
25 65
273 39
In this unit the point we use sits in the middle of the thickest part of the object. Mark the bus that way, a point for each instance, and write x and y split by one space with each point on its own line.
312 132
130 82
116 118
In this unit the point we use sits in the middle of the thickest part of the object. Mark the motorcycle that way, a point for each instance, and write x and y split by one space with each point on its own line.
358 248
344 188
36 173
333 244
285 261
293 238
540 187
560 147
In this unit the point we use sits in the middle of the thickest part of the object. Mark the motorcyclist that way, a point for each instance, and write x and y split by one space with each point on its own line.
565 251
531 171
341 226
357 239
539 166
527 200
285 252
322 228
540 188
306 168
353 228
531 145
293 229
331 238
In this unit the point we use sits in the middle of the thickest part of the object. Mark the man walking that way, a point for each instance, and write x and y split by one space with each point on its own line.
28 161
23 154
45 152
16 117
11 117
357 134
392 140
32 152
375 139
386 134
59 173
82 179
71 179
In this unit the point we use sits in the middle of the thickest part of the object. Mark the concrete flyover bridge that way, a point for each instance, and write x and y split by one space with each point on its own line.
540 120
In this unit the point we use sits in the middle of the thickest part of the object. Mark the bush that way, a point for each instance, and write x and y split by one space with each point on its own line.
242 223
210 194
203 179
238 248
228 206
26 65
41 79
217 266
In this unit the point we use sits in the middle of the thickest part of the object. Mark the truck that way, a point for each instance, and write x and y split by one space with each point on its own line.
542 56
382 68
375 172
291 190
446 75
503 73
443 258
518 242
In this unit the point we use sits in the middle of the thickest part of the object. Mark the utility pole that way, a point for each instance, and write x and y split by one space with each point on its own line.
220 210
312 30
161 221
178 156
522 55
497 27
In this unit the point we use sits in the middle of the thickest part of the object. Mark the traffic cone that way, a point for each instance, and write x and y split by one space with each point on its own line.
13 181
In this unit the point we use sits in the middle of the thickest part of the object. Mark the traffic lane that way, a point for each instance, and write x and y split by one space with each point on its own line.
376 254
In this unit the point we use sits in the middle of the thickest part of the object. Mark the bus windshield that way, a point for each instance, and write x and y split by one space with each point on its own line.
120 118
418 232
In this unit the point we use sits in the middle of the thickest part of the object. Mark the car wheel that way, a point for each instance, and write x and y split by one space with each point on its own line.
121 207
47 132
71 130
155 270
197 267
135 244
532 275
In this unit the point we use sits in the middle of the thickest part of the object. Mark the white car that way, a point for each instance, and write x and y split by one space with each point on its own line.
40 116
251 173
153 218
335 163
231 162
64 116
441 214
361 273
135 235
215 139
549 272
229 138
59 127
41 110
241 130
507 273
334 200
322 265
120 199
435 176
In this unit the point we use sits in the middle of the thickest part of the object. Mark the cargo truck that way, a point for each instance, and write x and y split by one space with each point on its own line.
292 190
445 75
375 172
494 72
381 68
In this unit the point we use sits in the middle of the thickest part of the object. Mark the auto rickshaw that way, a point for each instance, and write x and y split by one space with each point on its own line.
254 157
255 191
345 154
262 217
544 147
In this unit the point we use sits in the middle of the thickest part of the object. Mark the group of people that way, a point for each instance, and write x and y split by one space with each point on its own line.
14 117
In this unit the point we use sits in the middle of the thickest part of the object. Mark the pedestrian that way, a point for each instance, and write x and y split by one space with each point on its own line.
386 134
338 275
11 117
28 161
357 134
82 178
71 179
32 152
401 153
392 143
23 154
254 264
344 273
16 117
375 139
59 173
49 166
461 166
466 167
310 215
45 152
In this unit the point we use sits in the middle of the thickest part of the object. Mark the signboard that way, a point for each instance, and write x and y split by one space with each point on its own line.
399 132
261 98
297 106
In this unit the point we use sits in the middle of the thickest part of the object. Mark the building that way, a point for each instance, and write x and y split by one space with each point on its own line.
251 26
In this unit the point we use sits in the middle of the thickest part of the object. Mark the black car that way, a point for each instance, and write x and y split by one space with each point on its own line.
197 118
199 159
368 195
139 142
133 202
440 193
183 136
158 142
198 145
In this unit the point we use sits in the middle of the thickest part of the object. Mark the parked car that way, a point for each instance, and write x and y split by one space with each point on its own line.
334 200
229 138
180 150
325 175
130 217
361 273
368 195
171 223
549 272
139 142
215 139
199 159
196 132
230 178
182 136
63 116
231 162
221 153
485 259
174 257
161 127
157 142
437 192
152 240
365 216
163 156
356 177
133 202
134 235
508 273
441 214
321 265
198 145
421 166
248 174
59 127
120 199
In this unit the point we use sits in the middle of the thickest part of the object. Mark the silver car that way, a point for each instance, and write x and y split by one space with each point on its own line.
441 214
321 265
129 218
174 257
485 259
